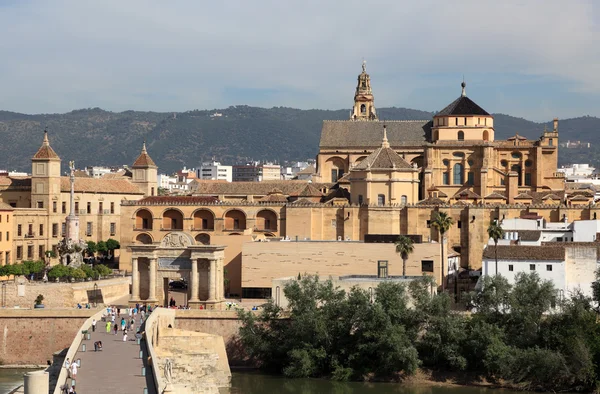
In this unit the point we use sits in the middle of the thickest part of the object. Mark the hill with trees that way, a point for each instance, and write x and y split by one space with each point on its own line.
232 135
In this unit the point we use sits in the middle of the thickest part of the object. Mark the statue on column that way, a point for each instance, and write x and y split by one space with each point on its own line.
71 248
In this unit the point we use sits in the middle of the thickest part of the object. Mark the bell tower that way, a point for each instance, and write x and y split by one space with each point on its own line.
145 173
364 106
45 176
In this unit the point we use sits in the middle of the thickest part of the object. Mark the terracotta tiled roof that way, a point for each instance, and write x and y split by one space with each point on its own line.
15 182
521 252
367 135
495 195
46 151
288 188
91 185
431 201
144 159
310 191
340 193
308 170
529 235
274 197
303 201
538 197
523 196
466 193
580 198
550 196
81 174
176 200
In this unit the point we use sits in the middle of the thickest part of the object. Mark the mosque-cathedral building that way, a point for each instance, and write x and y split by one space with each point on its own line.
372 178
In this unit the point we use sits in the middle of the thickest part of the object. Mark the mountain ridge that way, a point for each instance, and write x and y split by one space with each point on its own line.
93 136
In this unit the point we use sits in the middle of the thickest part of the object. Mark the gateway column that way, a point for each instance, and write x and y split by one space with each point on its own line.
194 280
152 277
135 280
212 280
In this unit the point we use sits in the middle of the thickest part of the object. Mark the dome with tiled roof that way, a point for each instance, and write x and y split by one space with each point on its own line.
144 160
46 152
463 106
384 158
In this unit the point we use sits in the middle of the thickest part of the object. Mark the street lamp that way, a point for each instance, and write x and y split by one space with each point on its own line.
95 295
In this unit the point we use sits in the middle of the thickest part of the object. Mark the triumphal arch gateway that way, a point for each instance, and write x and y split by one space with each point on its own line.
177 256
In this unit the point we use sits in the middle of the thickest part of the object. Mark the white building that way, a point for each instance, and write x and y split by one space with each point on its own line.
98 171
290 172
165 180
536 231
214 171
577 171
569 266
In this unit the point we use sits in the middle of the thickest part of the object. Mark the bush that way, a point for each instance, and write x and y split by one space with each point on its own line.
102 270
58 271
77 273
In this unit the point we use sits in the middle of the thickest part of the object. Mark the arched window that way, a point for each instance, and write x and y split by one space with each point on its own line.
403 200
380 199
458 178
461 135
363 109
486 135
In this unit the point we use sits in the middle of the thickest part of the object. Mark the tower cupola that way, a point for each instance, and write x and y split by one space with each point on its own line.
364 102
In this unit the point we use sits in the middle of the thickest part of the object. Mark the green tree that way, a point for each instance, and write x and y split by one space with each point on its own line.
493 300
77 273
102 248
404 247
58 271
442 221
495 232
111 245
102 270
91 249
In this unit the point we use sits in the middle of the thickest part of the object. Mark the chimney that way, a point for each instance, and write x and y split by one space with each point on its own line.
556 125
513 187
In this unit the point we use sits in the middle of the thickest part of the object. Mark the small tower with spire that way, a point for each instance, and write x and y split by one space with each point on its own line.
145 173
364 102
45 176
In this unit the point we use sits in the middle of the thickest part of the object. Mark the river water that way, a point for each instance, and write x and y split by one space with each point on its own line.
11 378
254 383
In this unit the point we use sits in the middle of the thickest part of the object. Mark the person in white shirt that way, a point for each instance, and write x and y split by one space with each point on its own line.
93 325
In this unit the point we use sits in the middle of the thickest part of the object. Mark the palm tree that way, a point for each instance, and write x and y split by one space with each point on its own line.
442 221
495 232
404 247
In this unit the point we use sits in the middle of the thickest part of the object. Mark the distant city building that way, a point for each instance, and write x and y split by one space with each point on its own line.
575 144
215 171
290 171
577 171
165 180
97 171
12 173
254 172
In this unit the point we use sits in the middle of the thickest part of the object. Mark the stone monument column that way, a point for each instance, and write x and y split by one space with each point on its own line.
212 279
135 280
152 277
194 280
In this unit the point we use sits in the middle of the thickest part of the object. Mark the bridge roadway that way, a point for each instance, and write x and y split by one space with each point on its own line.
115 369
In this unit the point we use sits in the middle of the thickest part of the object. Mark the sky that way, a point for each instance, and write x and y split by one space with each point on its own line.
533 59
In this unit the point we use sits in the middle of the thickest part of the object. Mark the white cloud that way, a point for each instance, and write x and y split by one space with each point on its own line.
158 55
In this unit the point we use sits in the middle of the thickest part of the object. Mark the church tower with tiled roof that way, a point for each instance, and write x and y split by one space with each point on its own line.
463 120
364 102
45 176
145 173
